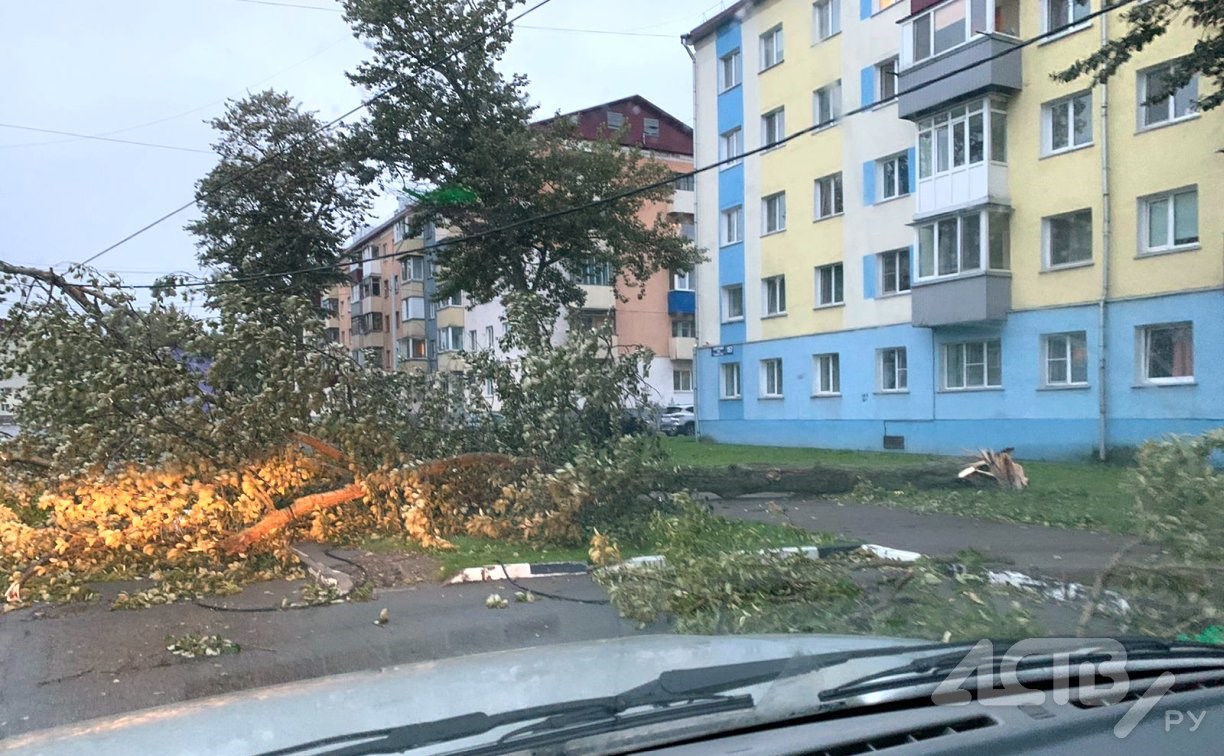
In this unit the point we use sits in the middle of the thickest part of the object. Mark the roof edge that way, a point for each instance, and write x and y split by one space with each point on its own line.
706 28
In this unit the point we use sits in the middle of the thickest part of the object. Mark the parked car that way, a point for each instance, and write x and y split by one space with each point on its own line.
678 420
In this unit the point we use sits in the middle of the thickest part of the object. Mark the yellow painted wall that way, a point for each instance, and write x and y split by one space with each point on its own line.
1141 163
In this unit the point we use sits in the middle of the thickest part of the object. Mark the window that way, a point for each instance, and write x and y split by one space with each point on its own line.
1169 221
882 4
412 268
826 380
950 246
1068 239
403 230
972 364
894 175
895 271
771 378
1067 123
472 345
1059 13
730 67
682 280
826 104
774 295
826 19
886 80
957 138
733 302
595 273
828 196
773 213
1168 353
650 127
940 30
729 381
1066 359
331 307
682 329
771 47
830 285
414 308
615 120
1157 104
489 337
685 182
730 146
410 349
894 371
454 300
682 379
773 127
450 339
731 229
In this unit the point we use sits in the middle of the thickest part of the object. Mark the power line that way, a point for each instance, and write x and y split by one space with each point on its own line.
657 184
100 138
318 130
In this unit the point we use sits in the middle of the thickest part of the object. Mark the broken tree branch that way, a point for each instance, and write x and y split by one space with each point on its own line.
88 297
279 518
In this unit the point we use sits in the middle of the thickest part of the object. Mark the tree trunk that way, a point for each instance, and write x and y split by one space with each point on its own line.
278 519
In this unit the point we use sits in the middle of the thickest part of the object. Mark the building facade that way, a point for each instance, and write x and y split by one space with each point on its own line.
958 252
662 318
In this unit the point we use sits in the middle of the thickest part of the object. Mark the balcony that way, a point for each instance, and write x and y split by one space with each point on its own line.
1001 74
681 347
598 297
680 302
684 201
977 298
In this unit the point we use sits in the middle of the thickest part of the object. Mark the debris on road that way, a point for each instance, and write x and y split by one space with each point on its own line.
997 465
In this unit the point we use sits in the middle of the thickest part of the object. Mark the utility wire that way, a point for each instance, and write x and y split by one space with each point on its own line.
365 103
100 138
658 184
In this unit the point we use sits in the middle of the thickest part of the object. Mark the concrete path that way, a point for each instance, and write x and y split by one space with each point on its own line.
1077 555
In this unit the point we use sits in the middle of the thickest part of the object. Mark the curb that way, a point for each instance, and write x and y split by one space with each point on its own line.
517 571
321 573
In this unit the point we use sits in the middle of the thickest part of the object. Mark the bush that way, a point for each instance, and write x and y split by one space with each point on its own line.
1180 494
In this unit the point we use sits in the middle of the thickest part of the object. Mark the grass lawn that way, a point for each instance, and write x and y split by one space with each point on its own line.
1062 494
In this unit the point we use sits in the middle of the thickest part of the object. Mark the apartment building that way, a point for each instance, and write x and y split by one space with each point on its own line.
387 316
959 252
663 318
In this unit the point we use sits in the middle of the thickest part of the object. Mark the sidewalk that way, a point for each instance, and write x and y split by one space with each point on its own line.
1076 555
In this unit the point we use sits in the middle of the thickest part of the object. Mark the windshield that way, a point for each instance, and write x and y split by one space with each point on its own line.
353 335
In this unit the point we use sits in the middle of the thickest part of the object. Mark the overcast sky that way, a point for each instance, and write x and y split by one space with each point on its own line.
155 70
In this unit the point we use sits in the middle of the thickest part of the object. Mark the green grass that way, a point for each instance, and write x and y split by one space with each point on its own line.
686 451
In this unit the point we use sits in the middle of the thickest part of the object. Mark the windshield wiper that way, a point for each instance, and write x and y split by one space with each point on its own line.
675 694
935 668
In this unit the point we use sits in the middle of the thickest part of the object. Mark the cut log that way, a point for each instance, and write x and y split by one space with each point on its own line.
279 518
319 445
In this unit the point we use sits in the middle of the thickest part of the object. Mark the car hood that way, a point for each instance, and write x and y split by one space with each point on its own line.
285 715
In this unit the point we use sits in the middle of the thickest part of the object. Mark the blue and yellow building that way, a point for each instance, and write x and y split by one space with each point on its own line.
958 252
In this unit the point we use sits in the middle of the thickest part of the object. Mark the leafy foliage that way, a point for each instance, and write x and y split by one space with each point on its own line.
1179 490
1151 20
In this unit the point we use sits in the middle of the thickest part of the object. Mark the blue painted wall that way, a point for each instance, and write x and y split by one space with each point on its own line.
730 184
1043 423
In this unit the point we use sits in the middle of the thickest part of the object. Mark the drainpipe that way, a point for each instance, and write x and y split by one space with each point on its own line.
696 283
1106 238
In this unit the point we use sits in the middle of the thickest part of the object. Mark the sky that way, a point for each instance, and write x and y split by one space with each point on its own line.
155 71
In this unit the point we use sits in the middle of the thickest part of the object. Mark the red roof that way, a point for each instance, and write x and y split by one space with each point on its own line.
646 125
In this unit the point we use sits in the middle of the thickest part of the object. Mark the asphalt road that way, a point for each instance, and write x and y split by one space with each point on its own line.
69 663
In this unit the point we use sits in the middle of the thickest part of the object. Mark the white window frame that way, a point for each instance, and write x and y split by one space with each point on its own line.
729 380
899 371
902 272
1047 123
937 138
682 379
1073 24
615 120
826 374
773 213
413 267
887 70
490 339
826 19
413 305
733 62
771 373
1144 345
772 41
1170 198
447 339
687 328
773 296
731 146
1061 348
827 104
773 127
405 352
1170 103
650 127
835 274
892 190
833 187
1047 240
987 345
729 221
454 300
728 299
987 221
681 280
